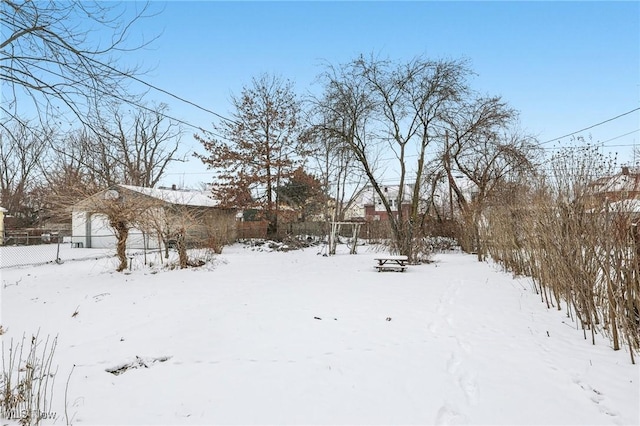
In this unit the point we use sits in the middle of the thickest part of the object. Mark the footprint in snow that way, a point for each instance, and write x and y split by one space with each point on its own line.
469 386
453 364
466 347
449 415
595 396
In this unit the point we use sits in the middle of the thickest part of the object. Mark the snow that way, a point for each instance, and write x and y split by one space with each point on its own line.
177 196
266 337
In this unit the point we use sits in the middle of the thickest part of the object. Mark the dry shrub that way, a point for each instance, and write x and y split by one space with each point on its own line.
27 380
214 243
582 255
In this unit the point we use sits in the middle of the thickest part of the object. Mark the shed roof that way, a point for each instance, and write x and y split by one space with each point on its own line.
176 196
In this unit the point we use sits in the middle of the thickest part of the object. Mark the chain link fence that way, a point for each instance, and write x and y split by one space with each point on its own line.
30 248
22 249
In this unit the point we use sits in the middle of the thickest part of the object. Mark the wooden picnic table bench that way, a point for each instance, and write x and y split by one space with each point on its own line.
391 263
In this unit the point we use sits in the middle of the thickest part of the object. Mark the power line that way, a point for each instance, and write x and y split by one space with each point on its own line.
601 144
621 136
154 87
139 80
166 92
159 89
130 102
592 126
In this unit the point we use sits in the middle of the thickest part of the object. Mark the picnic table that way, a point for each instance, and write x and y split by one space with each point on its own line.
396 263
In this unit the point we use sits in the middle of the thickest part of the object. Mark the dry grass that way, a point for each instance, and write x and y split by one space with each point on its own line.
27 380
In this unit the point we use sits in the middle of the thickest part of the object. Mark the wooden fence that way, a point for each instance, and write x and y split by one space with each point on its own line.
258 229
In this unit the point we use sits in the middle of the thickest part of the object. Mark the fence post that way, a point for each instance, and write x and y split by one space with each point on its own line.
58 261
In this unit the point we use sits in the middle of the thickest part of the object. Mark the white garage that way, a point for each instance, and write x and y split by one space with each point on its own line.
92 230
150 209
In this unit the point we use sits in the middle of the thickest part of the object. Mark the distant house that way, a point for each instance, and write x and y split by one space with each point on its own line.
618 196
369 205
161 213
2 212
622 186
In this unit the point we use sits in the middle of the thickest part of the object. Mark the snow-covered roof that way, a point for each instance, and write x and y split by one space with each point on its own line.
625 206
3 210
618 183
177 196
368 195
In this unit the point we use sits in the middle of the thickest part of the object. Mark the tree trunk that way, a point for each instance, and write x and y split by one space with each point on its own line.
122 233
405 236
181 246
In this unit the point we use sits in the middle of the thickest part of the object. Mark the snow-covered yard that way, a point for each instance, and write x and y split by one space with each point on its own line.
298 338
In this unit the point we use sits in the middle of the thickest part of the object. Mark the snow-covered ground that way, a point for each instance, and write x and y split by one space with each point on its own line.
298 338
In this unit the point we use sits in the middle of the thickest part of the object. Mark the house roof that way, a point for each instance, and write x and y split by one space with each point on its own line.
625 206
176 196
368 195
617 183
3 210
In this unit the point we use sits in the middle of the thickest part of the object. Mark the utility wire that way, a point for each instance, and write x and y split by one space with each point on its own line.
139 80
590 127
621 136
166 92
601 144
129 102
128 75
159 89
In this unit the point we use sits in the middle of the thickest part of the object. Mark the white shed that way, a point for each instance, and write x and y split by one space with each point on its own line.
91 228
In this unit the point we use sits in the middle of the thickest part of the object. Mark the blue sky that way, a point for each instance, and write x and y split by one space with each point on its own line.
564 65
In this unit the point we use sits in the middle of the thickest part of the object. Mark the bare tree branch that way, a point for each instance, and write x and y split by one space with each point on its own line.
54 54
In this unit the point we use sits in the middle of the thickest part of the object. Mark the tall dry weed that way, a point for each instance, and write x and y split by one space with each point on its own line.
26 384
581 253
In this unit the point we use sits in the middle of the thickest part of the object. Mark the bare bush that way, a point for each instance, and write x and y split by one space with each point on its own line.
581 251
26 385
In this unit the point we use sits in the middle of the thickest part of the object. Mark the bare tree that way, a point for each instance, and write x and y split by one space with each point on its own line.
133 149
481 146
74 169
21 153
185 225
130 149
143 145
122 212
340 172
65 56
378 105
